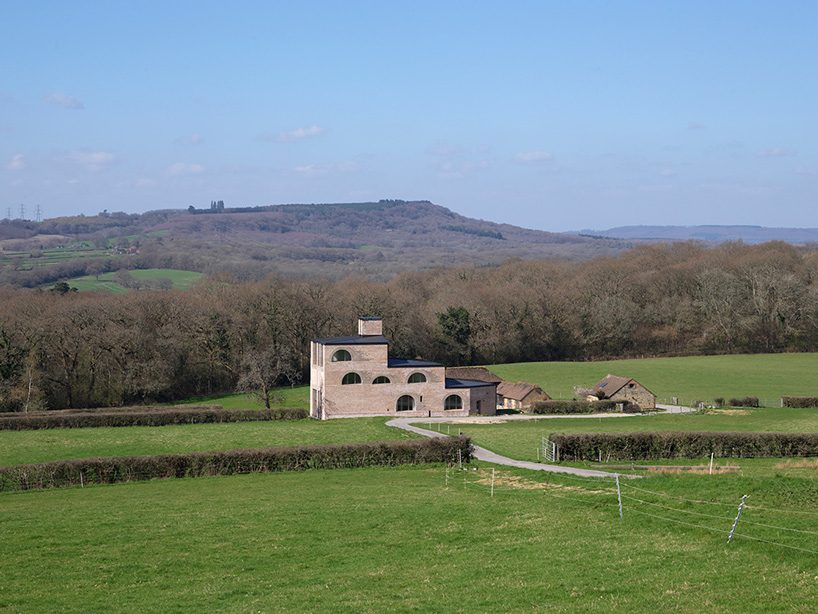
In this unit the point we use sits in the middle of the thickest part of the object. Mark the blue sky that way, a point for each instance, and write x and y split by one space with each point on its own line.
552 115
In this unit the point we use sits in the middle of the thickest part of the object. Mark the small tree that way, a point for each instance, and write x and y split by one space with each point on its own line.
262 370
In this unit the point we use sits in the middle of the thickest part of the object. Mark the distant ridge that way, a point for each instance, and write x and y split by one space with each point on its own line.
709 233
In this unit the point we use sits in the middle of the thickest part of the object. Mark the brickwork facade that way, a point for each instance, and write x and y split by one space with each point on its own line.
354 376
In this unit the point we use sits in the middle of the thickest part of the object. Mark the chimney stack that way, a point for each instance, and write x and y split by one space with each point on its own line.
370 326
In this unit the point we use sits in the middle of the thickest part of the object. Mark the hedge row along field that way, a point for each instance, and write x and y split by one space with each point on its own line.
143 417
799 402
657 445
583 407
197 464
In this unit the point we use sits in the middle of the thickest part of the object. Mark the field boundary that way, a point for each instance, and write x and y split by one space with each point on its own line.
199 464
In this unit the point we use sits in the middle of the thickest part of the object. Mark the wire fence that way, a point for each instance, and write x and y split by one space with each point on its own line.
691 513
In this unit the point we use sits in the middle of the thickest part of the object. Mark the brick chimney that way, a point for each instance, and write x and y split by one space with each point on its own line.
370 326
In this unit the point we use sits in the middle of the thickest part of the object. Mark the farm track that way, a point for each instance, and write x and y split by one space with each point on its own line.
408 424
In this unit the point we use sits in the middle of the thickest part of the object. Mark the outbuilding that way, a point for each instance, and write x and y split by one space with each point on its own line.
619 388
519 395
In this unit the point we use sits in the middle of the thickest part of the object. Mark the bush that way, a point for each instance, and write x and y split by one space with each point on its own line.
744 402
653 445
719 401
582 407
297 458
799 402
158 416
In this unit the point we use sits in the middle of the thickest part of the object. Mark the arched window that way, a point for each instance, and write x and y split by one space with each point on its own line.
417 378
351 378
341 356
381 379
453 401
405 403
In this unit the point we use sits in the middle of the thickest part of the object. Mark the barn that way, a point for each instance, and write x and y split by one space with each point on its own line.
619 388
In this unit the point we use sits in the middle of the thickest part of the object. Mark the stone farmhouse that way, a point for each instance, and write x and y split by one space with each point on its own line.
354 376
519 395
618 388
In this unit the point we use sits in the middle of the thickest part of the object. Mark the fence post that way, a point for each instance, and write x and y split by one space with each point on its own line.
459 458
492 482
711 463
735 522
619 496
447 476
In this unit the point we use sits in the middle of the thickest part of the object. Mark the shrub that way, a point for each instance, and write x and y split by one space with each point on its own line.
297 458
656 445
799 402
582 407
159 416
719 401
744 402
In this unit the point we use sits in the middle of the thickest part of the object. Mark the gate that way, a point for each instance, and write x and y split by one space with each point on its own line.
548 450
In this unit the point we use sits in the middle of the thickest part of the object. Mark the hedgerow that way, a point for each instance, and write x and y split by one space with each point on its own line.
582 407
143 417
655 445
197 464
799 402
743 402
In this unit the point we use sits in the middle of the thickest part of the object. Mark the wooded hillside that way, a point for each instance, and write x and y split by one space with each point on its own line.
77 350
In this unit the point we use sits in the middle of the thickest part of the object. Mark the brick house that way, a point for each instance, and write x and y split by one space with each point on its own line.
519 395
354 376
618 388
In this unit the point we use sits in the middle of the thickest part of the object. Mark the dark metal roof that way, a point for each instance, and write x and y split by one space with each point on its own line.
476 373
408 362
466 383
354 340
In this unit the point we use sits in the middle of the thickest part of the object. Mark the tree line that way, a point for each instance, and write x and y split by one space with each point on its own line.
87 349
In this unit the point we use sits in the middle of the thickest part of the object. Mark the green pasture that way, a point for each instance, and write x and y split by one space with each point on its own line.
690 378
520 438
17 447
182 280
396 539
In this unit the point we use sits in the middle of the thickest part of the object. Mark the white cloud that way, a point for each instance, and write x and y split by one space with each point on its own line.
17 162
92 160
450 169
191 139
325 169
64 100
180 169
776 152
299 134
528 157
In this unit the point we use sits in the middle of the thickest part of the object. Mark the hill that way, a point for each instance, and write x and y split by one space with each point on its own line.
376 240
714 233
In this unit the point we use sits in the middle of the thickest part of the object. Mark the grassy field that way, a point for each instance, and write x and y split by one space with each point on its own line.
394 539
181 280
286 397
17 447
519 439
767 376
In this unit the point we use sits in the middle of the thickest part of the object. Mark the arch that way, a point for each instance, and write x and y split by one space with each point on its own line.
341 356
381 379
453 401
416 378
405 403
351 378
